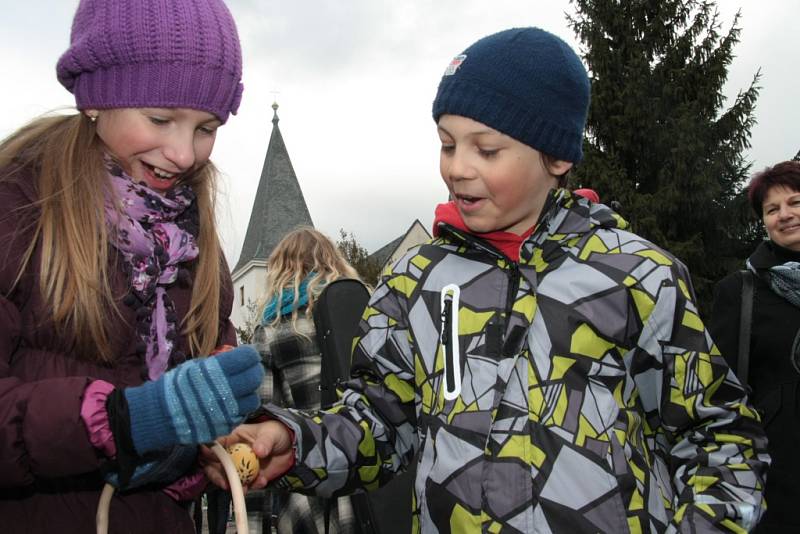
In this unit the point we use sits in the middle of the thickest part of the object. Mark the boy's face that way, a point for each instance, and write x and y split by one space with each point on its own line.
496 182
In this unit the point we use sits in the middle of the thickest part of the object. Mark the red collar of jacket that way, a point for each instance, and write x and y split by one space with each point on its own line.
506 242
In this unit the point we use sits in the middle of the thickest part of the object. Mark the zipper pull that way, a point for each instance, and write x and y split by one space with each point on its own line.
451 383
446 310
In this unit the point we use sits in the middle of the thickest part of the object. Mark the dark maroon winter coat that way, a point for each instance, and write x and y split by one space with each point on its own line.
49 478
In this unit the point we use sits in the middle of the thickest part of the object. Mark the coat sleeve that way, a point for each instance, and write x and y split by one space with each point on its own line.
698 417
370 434
41 432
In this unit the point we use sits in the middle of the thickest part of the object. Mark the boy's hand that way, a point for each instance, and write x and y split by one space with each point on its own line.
272 441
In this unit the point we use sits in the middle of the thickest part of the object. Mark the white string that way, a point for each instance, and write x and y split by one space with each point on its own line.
239 507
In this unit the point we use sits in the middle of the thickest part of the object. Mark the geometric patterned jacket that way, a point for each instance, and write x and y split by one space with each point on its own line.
576 390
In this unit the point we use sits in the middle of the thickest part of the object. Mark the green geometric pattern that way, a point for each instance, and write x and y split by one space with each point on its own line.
592 398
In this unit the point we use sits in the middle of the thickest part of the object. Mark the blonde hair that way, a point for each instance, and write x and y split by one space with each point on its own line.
302 251
74 277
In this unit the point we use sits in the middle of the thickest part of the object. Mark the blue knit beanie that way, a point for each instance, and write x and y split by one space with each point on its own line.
524 82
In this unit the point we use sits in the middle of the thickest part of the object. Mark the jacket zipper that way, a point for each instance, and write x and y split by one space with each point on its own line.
513 271
449 304
513 286
449 339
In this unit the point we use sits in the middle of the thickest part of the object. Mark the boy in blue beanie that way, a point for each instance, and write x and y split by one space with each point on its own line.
549 368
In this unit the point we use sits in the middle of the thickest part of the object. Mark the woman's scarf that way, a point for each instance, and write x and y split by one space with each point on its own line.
779 267
784 279
286 301
155 234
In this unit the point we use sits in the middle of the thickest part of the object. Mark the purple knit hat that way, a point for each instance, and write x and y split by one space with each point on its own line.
154 53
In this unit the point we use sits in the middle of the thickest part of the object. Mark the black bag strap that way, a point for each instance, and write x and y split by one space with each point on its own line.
745 321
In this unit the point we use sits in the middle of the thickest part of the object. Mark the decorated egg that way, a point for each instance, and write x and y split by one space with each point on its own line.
245 461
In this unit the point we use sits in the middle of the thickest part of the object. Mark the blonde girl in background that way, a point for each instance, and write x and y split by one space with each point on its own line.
300 266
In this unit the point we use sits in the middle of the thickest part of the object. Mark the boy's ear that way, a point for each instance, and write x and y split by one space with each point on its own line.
558 167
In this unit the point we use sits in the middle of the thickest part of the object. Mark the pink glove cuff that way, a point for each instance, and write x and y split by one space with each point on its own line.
95 417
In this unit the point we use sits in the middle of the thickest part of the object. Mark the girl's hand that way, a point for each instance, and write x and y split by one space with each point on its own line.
196 401
272 442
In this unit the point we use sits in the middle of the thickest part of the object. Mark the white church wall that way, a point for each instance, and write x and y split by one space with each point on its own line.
248 287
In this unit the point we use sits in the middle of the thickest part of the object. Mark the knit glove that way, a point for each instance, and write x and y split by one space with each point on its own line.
160 467
196 401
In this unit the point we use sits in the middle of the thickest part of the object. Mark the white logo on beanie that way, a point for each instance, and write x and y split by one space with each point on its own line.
453 66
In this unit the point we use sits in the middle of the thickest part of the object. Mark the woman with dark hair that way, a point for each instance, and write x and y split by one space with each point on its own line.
774 348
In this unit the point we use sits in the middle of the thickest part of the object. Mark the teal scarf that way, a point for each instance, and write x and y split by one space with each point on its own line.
287 302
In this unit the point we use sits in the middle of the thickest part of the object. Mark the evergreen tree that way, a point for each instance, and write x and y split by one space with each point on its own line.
661 138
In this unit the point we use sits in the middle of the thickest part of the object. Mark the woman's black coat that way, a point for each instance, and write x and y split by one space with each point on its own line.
773 376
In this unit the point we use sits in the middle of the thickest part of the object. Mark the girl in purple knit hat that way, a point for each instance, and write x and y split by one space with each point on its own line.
112 281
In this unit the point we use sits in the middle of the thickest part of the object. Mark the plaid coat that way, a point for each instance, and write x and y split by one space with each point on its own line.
293 361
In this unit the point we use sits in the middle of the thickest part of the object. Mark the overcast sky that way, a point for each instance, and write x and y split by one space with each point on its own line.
355 79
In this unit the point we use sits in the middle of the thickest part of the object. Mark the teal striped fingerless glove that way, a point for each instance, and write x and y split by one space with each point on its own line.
196 402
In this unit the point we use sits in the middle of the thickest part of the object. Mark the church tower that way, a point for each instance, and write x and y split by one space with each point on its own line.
279 207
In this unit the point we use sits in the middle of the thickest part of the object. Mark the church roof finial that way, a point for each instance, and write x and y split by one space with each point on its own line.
275 118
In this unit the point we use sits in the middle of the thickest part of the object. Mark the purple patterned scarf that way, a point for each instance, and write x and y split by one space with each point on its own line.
155 234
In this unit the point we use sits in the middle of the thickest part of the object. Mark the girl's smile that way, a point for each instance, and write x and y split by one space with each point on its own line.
158 179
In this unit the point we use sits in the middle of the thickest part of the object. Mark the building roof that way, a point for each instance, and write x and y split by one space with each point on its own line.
385 252
382 255
279 205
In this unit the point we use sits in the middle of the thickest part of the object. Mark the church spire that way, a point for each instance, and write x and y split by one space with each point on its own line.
279 205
